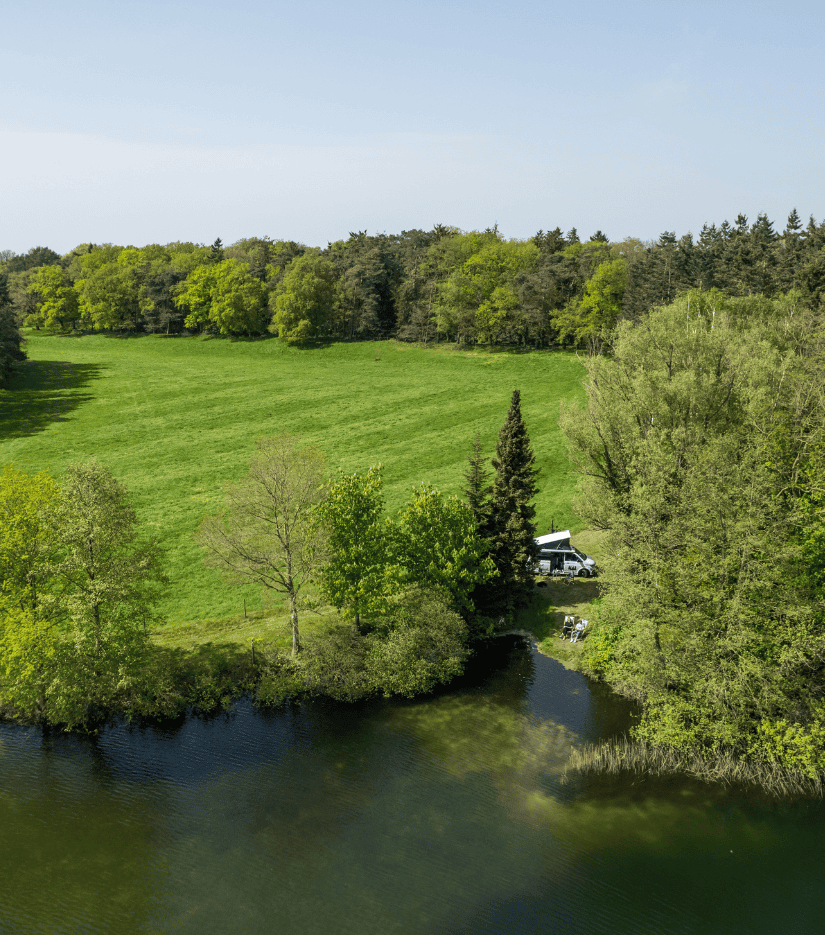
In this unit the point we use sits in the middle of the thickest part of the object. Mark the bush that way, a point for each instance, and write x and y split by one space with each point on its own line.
597 654
793 746
422 644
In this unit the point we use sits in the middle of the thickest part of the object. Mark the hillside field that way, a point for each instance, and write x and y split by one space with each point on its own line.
176 418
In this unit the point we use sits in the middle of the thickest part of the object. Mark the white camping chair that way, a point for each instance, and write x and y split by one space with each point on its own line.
567 626
578 631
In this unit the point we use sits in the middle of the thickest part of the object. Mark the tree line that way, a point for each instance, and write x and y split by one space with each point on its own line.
80 581
438 285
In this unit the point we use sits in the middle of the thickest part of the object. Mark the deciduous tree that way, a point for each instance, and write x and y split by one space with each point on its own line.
107 578
79 585
696 452
437 545
59 308
355 576
269 533
225 295
27 637
304 301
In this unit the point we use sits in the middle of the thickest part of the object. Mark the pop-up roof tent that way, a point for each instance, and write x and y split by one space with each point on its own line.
555 540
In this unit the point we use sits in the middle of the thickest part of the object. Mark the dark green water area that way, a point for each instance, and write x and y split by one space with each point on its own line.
442 815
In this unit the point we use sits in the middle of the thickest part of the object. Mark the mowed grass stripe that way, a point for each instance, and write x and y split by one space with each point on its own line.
176 419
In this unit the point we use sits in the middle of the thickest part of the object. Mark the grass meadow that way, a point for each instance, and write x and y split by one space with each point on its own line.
176 418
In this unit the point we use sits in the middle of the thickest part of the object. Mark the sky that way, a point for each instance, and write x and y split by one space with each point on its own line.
163 121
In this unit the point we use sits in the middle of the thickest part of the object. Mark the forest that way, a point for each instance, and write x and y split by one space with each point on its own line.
440 285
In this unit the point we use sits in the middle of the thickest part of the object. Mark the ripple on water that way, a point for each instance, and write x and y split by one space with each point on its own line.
445 814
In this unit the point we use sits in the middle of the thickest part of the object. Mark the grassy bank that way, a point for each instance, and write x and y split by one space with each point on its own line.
176 418
555 598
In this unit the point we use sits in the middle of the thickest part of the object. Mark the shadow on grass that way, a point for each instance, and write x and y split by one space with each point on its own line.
41 392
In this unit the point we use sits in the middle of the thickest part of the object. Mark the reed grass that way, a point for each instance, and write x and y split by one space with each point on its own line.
620 756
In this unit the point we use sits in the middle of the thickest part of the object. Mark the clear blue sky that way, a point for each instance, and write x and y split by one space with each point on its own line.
157 121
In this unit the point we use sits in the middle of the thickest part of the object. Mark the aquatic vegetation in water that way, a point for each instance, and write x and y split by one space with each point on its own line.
468 733
623 756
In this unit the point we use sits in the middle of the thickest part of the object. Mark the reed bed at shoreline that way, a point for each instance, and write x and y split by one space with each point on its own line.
615 757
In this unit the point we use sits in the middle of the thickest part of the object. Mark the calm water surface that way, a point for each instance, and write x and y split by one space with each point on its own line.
446 815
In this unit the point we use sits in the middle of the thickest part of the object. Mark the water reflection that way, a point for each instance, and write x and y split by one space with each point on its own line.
444 815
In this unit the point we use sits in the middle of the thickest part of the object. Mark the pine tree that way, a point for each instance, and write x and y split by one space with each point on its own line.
478 488
794 226
511 527
788 252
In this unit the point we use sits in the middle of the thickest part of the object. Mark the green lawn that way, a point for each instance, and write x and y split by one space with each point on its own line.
176 418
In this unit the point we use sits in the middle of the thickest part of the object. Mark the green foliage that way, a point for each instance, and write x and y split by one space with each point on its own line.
598 649
355 577
423 643
794 746
37 256
79 588
469 286
692 453
480 295
224 295
304 301
25 538
108 582
811 515
437 545
593 317
281 679
334 666
59 309
478 489
512 529
28 640
419 643
10 338
108 289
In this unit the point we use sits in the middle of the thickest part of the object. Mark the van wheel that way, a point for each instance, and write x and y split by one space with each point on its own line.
584 573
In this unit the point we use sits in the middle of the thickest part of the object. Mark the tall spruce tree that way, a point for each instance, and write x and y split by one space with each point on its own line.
511 530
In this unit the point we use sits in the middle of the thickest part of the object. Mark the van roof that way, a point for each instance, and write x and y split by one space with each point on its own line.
553 537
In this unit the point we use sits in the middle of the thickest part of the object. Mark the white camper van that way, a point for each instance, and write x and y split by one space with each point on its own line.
558 556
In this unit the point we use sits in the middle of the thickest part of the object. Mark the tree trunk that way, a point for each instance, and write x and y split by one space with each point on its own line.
293 614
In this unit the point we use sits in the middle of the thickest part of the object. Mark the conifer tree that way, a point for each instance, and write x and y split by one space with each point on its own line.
512 530
10 338
477 491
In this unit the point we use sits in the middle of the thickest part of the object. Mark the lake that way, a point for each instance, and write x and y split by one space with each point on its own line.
443 815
